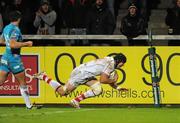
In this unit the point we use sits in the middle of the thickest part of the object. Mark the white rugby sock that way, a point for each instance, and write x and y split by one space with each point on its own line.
25 94
54 84
85 95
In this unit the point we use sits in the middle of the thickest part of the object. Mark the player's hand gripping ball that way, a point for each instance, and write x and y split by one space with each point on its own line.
113 76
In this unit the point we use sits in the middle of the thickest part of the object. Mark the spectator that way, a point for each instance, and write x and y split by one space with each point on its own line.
45 19
100 20
142 8
173 21
133 25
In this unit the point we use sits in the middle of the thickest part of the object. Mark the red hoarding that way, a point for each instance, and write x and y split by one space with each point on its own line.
11 86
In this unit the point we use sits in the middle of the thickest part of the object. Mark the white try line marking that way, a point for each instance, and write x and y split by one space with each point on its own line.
45 113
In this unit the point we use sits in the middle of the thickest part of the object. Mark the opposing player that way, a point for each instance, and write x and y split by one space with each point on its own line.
85 74
11 60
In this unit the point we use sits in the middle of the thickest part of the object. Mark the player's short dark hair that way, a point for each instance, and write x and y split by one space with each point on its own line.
120 58
14 16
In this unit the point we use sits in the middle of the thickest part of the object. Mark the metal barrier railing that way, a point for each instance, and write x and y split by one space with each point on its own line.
100 37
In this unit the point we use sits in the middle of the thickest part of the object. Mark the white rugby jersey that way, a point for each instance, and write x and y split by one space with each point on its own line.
90 69
96 67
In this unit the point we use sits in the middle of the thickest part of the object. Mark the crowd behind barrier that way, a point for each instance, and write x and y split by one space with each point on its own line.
90 17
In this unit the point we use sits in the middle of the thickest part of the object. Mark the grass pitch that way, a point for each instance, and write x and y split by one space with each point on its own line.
89 115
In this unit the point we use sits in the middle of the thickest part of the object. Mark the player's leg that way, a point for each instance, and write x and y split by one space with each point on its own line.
95 90
23 88
43 76
16 67
3 76
66 89
60 89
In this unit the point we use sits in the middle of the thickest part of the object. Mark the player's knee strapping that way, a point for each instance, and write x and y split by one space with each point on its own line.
96 88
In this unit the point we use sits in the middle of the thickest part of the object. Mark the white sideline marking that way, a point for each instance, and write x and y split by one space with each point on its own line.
46 113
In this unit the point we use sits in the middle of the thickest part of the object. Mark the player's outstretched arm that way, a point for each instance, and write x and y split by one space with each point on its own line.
15 44
115 86
28 43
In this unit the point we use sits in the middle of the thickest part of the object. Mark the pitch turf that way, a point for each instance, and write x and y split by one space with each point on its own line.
89 115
